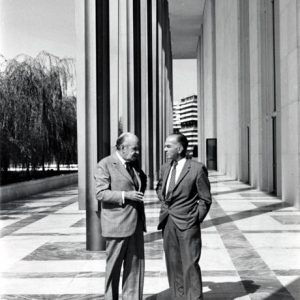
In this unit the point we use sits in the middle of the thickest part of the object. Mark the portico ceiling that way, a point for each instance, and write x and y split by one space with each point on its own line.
185 24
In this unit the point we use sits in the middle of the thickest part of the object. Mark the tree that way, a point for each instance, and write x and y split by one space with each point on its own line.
37 119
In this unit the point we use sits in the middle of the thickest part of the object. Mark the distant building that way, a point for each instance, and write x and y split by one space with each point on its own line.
176 118
185 117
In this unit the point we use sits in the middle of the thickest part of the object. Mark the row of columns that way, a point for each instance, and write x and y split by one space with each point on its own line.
229 110
248 75
124 74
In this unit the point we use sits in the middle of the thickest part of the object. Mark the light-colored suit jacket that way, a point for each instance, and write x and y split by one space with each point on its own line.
190 200
117 219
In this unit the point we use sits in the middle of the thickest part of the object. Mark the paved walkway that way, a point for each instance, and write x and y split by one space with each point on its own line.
251 248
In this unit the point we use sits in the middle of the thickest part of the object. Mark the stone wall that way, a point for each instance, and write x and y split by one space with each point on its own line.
24 189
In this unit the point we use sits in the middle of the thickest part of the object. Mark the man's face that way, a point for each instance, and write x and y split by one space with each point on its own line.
130 149
172 148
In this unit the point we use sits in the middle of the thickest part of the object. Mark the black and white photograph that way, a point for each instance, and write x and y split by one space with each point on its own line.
150 149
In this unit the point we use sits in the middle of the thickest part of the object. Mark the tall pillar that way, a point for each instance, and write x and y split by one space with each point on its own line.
267 105
168 73
160 78
164 73
144 86
200 93
207 100
150 87
123 62
81 104
154 99
163 77
93 108
244 92
133 68
95 240
116 121
93 228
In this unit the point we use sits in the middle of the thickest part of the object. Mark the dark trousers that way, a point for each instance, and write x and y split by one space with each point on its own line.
183 249
128 251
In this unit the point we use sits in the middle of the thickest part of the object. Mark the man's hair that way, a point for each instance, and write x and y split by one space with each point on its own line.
121 139
183 141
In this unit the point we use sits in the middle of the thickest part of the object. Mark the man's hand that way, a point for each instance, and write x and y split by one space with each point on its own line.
134 196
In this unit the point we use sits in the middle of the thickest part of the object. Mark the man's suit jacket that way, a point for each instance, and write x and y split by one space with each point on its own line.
117 219
190 200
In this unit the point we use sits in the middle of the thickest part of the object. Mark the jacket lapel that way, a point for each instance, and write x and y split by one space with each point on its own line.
185 170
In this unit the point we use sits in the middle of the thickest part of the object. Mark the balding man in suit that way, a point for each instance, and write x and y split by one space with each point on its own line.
120 186
184 191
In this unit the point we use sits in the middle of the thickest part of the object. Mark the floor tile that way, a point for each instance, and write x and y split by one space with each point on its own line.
250 247
292 283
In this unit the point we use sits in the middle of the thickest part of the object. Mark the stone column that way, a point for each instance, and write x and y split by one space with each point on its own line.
154 99
267 95
114 74
123 62
289 106
200 95
144 87
132 66
93 108
244 92
81 100
160 79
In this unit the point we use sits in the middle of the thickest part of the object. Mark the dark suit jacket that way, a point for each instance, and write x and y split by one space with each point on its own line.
190 200
118 219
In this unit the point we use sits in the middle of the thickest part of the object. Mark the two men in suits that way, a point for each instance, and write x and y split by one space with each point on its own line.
120 186
184 191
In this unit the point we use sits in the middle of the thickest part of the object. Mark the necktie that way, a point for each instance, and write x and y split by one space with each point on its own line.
172 180
131 173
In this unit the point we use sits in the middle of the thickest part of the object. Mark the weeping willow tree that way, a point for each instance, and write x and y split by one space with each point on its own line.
37 121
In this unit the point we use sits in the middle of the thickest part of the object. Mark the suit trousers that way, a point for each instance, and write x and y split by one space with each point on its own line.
182 250
128 251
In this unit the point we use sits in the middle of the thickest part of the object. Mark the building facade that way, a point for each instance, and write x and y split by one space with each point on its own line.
185 121
249 89
188 121
176 118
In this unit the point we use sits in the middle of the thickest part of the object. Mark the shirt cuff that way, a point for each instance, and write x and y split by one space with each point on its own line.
123 197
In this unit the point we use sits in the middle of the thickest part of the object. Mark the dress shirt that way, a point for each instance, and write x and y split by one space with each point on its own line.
179 168
123 161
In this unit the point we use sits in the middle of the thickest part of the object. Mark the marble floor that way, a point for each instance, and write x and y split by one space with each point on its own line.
251 247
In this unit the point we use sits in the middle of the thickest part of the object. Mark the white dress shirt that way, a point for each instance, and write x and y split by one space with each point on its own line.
179 168
123 161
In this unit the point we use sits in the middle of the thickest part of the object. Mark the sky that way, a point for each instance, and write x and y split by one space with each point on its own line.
184 78
30 26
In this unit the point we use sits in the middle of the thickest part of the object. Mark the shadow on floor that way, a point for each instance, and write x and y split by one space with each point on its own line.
284 292
230 290
244 214
225 180
164 295
149 203
157 235
217 290
152 236
234 191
